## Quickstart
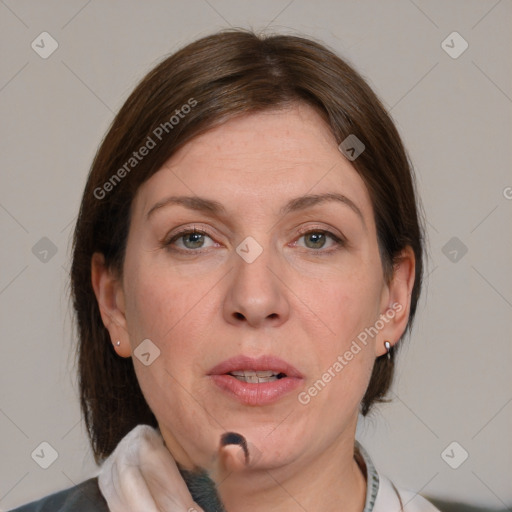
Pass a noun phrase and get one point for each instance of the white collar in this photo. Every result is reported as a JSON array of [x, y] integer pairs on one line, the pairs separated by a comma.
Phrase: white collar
[[382, 495]]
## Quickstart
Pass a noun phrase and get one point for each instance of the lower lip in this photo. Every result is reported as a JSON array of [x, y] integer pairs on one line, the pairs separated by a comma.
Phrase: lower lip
[[256, 394]]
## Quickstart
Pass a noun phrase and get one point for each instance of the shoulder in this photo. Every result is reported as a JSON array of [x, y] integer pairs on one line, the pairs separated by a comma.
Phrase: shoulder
[[400, 499], [84, 497]]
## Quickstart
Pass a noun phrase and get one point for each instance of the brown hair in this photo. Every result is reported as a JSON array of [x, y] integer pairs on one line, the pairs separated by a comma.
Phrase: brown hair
[[219, 77]]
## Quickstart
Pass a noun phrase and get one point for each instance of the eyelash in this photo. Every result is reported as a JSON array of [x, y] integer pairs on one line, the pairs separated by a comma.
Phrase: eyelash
[[339, 242]]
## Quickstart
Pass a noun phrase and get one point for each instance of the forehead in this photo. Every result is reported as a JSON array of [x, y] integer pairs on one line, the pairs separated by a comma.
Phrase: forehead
[[258, 159]]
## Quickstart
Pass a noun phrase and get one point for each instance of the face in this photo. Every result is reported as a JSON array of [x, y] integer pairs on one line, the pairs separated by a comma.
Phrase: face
[[250, 271]]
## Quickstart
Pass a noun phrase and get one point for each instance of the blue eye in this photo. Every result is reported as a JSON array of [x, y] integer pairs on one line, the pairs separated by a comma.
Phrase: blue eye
[[193, 239], [318, 239]]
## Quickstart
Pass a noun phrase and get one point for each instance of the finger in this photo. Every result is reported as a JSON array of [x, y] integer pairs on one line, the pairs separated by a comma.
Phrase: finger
[[232, 458], [232, 455]]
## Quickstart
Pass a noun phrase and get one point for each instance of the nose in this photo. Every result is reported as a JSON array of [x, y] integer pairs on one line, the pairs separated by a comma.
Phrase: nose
[[257, 294]]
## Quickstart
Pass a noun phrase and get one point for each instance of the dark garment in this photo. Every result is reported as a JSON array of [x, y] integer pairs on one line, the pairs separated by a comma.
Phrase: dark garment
[[203, 490], [84, 497]]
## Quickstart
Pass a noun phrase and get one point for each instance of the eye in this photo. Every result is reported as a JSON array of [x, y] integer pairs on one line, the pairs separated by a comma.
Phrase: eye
[[317, 239], [190, 239]]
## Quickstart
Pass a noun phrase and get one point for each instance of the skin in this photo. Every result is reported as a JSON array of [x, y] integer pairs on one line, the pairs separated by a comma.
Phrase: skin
[[303, 299]]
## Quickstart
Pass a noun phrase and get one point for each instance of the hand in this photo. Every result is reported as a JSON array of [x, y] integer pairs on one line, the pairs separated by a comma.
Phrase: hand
[[141, 476]]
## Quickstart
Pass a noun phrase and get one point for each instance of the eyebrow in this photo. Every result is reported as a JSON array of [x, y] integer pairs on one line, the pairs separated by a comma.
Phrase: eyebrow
[[215, 208]]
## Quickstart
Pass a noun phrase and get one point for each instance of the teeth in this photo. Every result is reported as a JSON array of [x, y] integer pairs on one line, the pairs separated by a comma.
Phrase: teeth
[[253, 377], [250, 373]]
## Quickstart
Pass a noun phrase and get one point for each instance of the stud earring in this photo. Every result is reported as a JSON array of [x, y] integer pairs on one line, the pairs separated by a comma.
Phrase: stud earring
[[118, 343], [387, 344]]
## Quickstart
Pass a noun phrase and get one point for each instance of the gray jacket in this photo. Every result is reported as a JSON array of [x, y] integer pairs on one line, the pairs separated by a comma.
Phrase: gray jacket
[[84, 497]]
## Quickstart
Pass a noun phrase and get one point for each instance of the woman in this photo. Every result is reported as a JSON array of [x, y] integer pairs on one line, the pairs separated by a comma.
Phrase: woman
[[247, 257]]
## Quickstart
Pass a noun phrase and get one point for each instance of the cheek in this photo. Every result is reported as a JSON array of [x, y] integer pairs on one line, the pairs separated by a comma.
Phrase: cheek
[[349, 304], [158, 302], [170, 310], [161, 308], [343, 370]]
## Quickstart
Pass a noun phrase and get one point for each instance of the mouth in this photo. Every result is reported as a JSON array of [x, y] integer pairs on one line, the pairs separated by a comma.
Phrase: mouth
[[255, 381], [263, 367]]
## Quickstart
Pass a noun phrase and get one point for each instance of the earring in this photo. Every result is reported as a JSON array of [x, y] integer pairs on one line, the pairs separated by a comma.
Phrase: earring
[[387, 344], [118, 343]]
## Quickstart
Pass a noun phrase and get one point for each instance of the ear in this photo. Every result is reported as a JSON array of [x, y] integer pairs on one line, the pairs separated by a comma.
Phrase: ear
[[396, 302], [110, 296]]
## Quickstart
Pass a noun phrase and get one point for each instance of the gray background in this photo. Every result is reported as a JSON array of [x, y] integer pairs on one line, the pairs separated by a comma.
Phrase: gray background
[[453, 382]]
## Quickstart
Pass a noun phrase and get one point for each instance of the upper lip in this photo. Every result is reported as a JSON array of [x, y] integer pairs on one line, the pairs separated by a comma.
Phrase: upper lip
[[266, 362]]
